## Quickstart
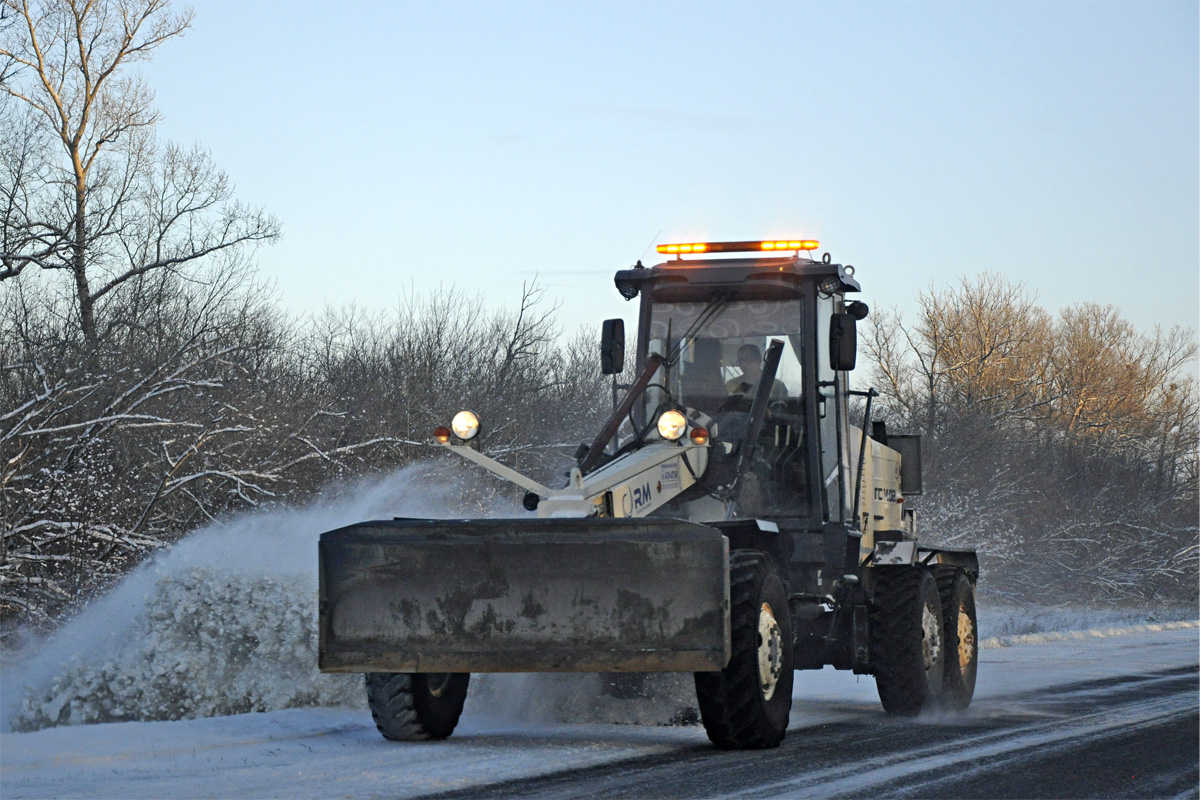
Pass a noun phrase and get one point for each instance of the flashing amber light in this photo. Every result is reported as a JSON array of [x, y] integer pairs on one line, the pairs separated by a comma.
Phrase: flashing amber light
[[441, 434], [770, 245], [791, 244], [694, 247], [699, 436]]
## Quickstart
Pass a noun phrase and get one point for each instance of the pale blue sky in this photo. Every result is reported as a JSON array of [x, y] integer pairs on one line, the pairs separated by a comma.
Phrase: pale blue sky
[[405, 145]]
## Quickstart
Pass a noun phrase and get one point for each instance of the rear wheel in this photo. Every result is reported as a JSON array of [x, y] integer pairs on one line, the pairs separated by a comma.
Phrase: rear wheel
[[961, 638], [746, 705], [907, 636], [413, 707]]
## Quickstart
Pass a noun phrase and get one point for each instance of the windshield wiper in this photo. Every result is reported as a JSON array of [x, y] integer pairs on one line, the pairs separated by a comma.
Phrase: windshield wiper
[[711, 310]]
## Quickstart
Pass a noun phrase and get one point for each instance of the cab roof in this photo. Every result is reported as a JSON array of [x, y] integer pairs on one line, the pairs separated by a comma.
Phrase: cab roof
[[759, 277]]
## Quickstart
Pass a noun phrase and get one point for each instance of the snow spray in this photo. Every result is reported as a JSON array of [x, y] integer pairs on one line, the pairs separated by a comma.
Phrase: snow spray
[[222, 622], [225, 622]]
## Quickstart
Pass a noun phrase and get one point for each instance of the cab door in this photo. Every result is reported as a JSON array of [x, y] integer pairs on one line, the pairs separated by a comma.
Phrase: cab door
[[832, 425]]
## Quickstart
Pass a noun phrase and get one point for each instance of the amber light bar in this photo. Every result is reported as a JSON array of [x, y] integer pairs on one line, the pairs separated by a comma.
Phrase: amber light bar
[[739, 247]]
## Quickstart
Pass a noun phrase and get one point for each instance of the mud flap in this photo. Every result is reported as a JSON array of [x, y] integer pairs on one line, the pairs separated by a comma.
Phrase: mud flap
[[529, 595]]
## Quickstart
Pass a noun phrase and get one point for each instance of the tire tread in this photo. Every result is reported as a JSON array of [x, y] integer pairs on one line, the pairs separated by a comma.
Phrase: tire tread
[[729, 700], [398, 713], [896, 641], [957, 688]]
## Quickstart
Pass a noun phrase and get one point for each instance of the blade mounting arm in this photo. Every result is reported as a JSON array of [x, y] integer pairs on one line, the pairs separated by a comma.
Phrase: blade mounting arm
[[596, 451]]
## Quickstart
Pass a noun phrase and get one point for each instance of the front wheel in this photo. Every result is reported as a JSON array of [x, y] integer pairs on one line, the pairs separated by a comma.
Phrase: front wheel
[[414, 707], [747, 704]]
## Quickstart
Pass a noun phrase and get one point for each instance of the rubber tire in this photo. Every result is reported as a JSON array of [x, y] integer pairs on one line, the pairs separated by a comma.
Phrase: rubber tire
[[902, 596], [405, 709], [735, 714], [958, 600]]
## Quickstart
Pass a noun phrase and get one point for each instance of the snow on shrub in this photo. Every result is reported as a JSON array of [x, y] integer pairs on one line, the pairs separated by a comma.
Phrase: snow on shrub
[[207, 644], [224, 621]]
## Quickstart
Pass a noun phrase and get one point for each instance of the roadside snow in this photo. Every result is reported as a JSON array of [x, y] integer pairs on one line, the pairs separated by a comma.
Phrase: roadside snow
[[1002, 620], [208, 643], [301, 753], [1094, 633]]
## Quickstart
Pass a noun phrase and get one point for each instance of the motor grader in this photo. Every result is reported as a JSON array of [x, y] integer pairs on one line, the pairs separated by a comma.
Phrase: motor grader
[[727, 521]]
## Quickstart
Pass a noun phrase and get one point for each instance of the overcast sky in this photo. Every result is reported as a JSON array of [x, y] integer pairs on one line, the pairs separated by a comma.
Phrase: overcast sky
[[407, 145]]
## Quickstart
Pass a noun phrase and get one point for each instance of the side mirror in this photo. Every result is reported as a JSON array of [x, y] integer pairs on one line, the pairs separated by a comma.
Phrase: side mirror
[[843, 342], [857, 309], [612, 347]]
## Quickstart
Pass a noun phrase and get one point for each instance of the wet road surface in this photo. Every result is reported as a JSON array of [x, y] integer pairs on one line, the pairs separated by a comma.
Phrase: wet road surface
[[1126, 736]]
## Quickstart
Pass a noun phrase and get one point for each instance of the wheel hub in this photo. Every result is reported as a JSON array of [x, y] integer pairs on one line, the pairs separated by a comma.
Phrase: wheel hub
[[770, 651], [931, 637], [966, 638]]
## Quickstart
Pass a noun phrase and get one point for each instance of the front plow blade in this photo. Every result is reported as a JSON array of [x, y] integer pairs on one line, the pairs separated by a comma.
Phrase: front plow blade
[[536, 595]]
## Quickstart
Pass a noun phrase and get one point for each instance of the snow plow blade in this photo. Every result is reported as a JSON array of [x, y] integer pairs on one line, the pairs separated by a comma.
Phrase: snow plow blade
[[537, 595]]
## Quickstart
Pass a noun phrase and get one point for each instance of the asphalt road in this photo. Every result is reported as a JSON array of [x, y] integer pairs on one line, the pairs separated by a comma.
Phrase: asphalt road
[[1129, 736], [1089, 714]]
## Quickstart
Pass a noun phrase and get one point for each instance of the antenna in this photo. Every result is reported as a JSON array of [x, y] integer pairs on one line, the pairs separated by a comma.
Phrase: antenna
[[647, 250]]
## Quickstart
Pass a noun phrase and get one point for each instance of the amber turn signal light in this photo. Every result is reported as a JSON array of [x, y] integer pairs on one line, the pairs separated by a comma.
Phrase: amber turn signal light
[[699, 435], [441, 434]]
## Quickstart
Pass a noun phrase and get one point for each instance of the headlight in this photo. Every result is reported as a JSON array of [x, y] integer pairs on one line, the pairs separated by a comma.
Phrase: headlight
[[671, 425], [465, 425]]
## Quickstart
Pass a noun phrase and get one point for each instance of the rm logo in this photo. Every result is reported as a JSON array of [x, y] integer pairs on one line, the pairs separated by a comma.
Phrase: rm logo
[[641, 496]]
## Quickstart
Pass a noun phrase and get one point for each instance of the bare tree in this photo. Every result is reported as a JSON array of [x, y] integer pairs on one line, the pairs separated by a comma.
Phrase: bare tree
[[980, 347], [114, 204], [1124, 393]]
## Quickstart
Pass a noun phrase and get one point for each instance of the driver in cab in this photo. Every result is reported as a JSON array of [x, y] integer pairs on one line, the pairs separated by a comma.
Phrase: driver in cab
[[749, 360]]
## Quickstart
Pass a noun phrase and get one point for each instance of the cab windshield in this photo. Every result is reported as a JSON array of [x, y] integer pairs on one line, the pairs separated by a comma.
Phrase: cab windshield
[[714, 352], [714, 356]]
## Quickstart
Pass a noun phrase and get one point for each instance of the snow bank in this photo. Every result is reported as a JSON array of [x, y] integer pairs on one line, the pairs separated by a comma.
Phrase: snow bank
[[1092, 633], [208, 643], [1005, 620]]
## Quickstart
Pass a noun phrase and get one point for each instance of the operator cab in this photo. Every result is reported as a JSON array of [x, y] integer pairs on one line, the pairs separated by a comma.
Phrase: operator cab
[[721, 327]]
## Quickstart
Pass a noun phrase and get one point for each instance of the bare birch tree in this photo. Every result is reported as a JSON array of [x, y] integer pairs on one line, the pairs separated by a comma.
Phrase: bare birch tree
[[113, 204]]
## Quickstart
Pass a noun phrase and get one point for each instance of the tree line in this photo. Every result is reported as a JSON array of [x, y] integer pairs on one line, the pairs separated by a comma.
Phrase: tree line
[[217, 402], [1064, 447]]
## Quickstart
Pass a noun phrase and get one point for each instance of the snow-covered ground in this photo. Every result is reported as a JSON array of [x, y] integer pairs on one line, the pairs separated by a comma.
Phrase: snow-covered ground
[[328, 752]]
